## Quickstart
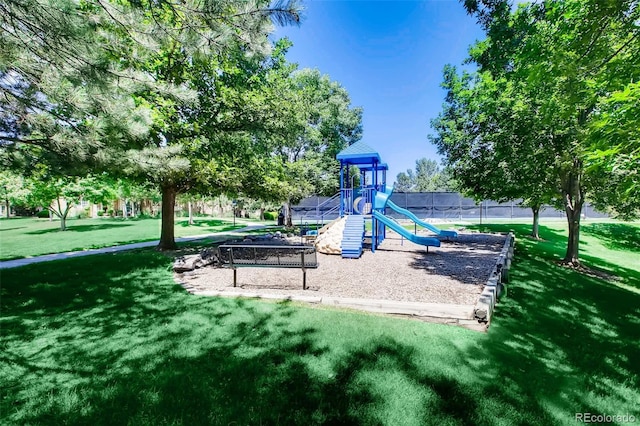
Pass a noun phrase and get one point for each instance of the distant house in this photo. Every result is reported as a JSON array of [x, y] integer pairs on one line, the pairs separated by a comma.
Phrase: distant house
[[3, 210]]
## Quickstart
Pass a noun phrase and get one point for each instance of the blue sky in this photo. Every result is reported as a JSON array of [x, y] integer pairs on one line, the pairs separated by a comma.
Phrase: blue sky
[[389, 55]]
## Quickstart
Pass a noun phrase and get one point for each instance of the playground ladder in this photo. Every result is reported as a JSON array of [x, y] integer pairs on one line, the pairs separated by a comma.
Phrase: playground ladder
[[352, 236]]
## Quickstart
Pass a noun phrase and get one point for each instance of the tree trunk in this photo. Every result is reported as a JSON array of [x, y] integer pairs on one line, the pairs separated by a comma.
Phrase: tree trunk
[[536, 222], [288, 221], [573, 194], [261, 213], [190, 207], [124, 209], [62, 215], [167, 233], [7, 205], [572, 256], [63, 218]]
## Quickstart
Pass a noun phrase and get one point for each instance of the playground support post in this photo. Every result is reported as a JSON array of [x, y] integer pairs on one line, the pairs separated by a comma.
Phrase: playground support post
[[342, 186], [374, 234]]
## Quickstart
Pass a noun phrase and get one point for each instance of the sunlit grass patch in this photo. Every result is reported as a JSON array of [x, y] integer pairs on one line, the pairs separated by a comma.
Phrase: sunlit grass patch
[[27, 237]]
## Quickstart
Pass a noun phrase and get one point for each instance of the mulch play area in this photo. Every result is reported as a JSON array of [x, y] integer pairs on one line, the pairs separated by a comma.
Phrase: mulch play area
[[441, 284]]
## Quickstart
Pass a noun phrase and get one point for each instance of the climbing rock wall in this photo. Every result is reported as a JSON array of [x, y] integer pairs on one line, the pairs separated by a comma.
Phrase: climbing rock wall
[[329, 241]]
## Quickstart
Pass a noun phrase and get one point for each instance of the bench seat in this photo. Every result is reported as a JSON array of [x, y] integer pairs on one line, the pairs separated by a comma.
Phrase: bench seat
[[268, 256]]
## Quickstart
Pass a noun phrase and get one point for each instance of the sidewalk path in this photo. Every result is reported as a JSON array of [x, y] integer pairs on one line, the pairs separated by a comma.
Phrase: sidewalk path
[[58, 256]]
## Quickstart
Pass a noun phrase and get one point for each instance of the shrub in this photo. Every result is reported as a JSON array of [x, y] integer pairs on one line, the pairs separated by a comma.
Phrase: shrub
[[270, 215], [83, 214], [43, 214], [24, 210]]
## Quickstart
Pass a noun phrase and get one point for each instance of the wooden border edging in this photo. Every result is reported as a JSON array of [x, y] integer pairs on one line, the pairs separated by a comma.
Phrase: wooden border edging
[[431, 312], [475, 317], [495, 286]]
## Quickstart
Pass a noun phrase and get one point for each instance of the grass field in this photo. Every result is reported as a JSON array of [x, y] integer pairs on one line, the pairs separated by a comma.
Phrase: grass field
[[111, 339], [23, 237]]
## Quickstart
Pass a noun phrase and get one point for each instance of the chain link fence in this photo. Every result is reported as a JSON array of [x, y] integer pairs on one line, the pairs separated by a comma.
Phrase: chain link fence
[[448, 206]]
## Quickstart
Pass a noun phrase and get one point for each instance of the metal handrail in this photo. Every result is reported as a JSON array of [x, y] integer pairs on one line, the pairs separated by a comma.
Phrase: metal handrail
[[318, 213], [336, 195], [335, 209]]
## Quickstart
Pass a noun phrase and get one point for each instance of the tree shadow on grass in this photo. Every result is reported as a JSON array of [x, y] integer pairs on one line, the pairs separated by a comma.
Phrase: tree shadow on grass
[[12, 229], [81, 228], [119, 347], [554, 248], [615, 236], [569, 341], [223, 225], [112, 340], [256, 369], [621, 276]]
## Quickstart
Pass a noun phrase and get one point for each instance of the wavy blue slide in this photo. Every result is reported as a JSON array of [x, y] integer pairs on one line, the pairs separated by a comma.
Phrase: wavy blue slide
[[390, 223], [413, 217]]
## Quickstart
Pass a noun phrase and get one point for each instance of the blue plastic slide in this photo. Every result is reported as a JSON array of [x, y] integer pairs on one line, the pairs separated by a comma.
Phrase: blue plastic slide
[[413, 217], [392, 224]]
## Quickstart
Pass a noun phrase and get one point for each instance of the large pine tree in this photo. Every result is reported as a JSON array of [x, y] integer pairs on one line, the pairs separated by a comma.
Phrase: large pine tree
[[113, 85]]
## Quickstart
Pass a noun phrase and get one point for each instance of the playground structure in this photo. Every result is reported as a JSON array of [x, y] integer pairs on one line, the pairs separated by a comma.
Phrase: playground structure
[[368, 202], [394, 284]]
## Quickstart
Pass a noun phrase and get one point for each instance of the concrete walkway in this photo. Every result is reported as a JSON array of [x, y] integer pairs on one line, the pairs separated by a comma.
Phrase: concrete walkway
[[68, 255]]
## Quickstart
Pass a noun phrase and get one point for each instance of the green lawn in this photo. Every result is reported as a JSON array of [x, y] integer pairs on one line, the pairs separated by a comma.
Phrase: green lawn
[[111, 339], [25, 237]]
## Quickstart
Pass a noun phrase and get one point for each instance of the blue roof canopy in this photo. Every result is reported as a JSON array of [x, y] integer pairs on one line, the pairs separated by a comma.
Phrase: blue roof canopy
[[379, 166], [359, 153]]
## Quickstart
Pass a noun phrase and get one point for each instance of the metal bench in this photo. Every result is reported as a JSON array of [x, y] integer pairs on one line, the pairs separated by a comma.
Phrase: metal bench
[[268, 256]]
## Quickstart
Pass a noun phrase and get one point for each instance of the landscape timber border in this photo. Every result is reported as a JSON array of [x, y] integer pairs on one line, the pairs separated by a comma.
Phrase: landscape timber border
[[496, 284], [476, 315]]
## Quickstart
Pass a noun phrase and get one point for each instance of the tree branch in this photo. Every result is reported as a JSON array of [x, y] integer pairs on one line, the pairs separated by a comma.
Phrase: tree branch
[[616, 53], [21, 140]]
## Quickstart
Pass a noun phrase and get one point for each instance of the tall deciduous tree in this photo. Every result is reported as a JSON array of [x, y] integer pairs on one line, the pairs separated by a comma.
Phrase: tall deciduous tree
[[427, 177], [59, 194], [405, 182], [487, 132], [319, 123], [13, 190], [614, 152], [563, 61]]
